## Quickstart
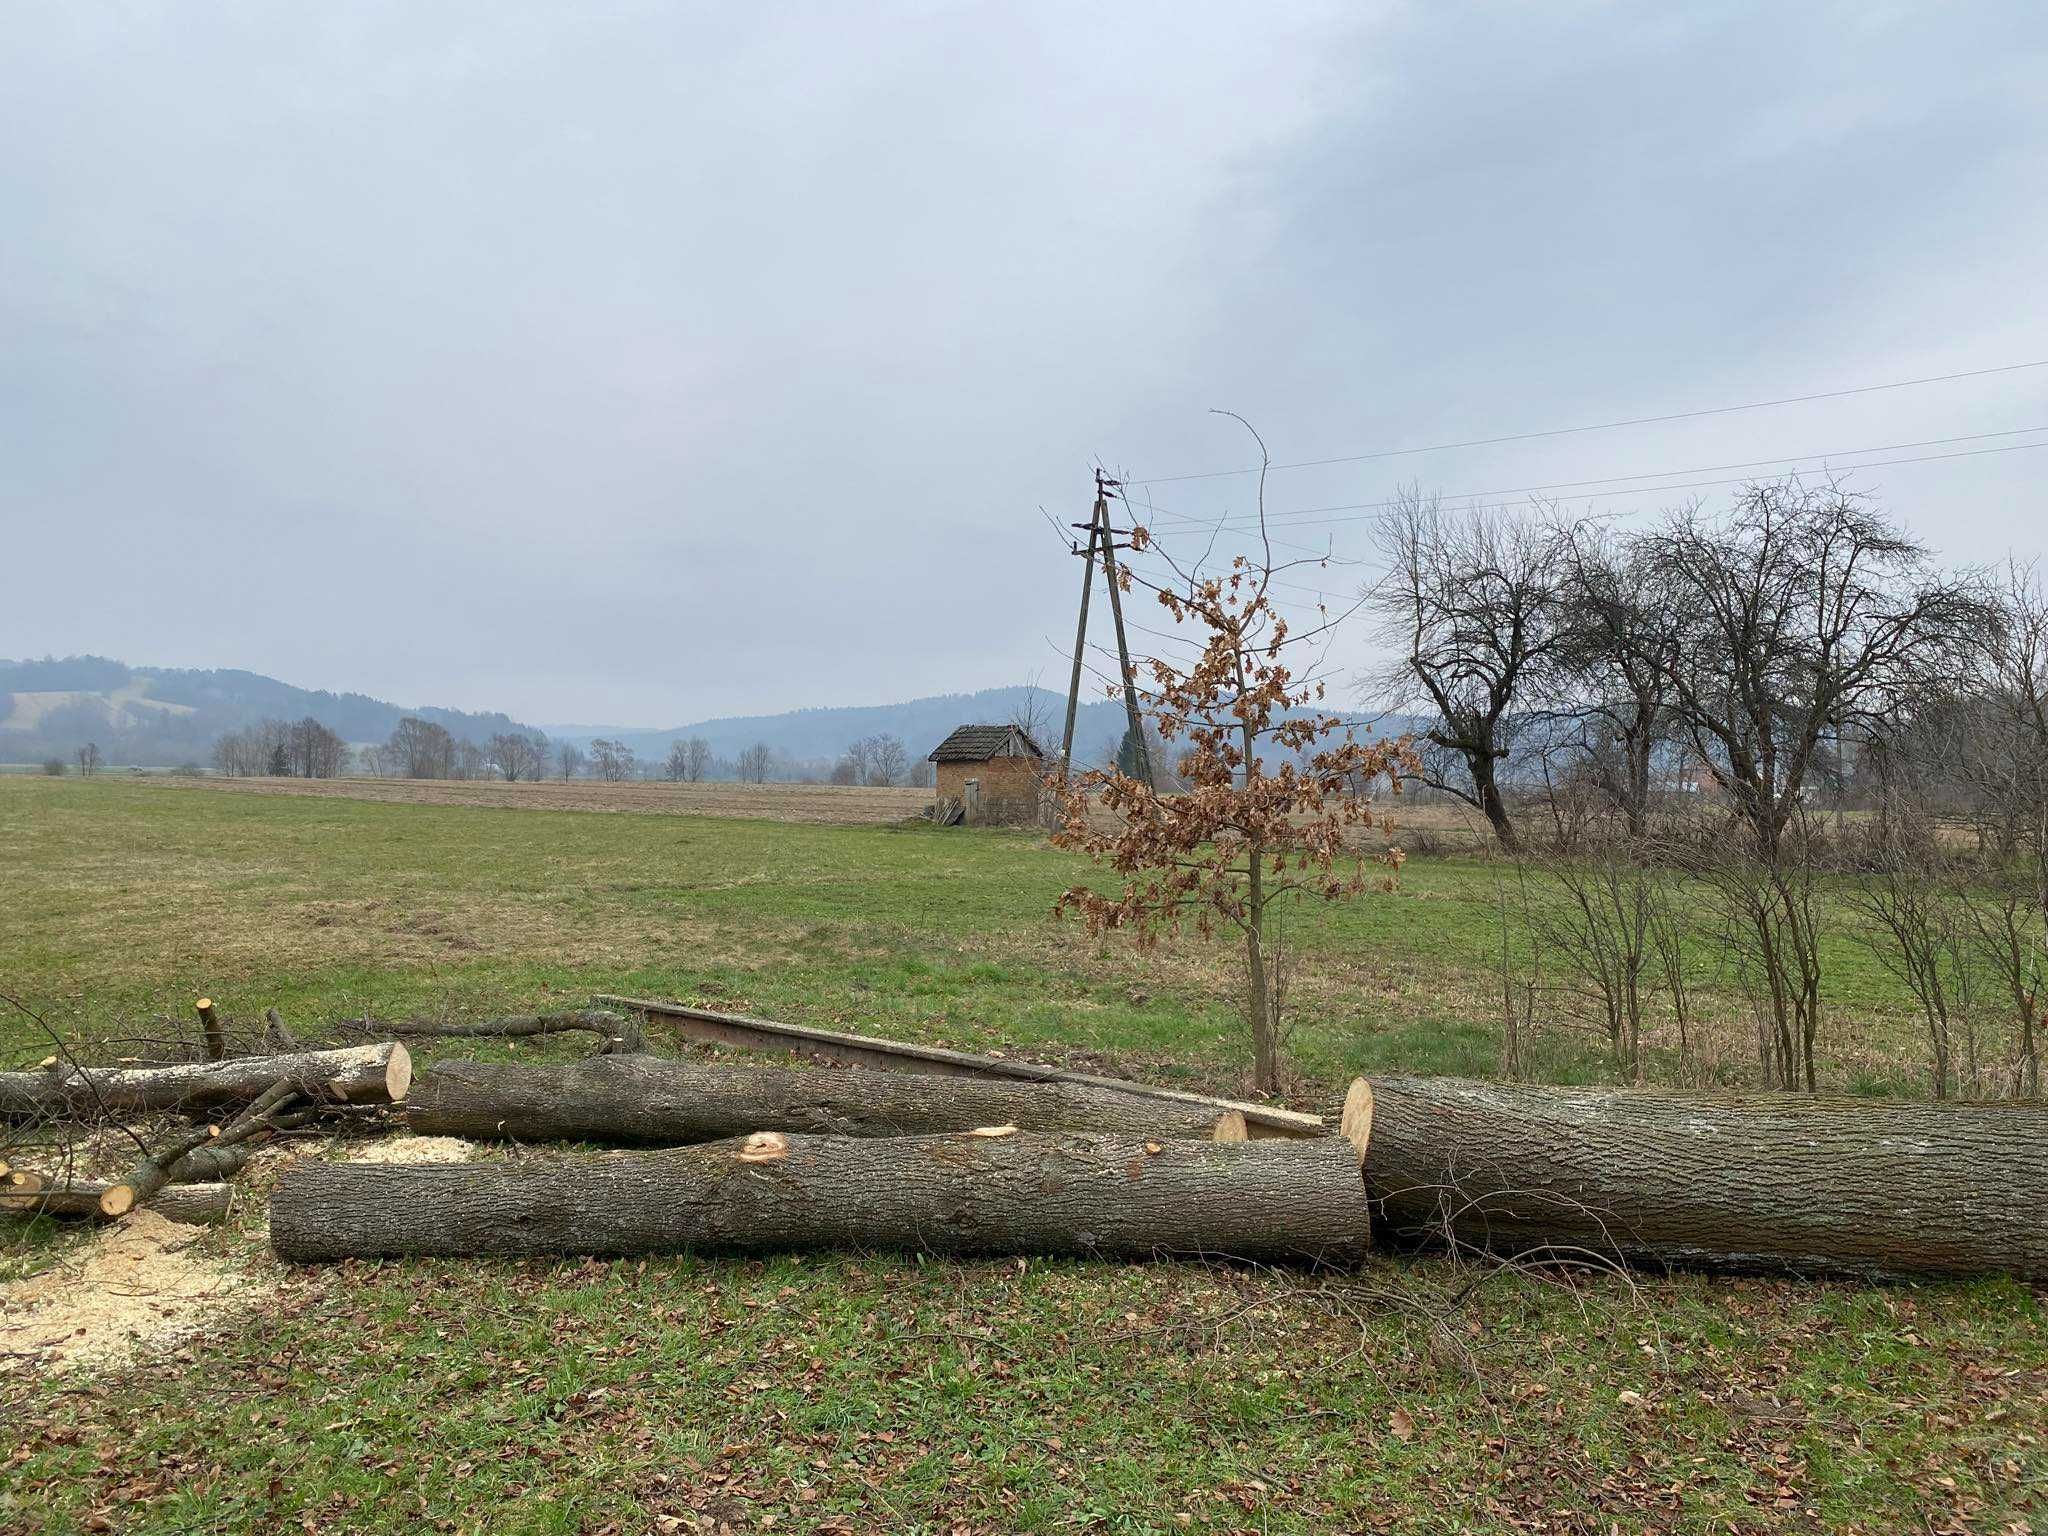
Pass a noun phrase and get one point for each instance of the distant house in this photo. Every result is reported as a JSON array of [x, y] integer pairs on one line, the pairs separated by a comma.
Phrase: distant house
[[993, 773]]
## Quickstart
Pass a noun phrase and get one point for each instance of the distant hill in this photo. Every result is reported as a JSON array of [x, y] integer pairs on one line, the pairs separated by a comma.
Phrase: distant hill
[[162, 716], [820, 735], [817, 736], [166, 715]]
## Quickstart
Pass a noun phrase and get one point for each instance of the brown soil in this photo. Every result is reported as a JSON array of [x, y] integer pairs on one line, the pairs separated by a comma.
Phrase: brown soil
[[822, 803]]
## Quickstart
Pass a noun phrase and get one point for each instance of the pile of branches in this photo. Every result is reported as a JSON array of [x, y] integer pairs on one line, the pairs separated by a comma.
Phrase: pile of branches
[[195, 1104], [193, 1117]]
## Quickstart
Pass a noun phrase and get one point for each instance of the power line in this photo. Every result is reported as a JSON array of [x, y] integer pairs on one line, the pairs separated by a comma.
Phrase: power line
[[1600, 426], [1303, 517]]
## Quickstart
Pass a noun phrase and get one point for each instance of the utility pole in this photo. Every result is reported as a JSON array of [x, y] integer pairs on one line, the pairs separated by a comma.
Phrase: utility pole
[[1099, 530], [1080, 645], [1116, 608]]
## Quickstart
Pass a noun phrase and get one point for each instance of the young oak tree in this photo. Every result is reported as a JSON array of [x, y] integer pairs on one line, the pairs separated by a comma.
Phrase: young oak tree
[[1269, 802]]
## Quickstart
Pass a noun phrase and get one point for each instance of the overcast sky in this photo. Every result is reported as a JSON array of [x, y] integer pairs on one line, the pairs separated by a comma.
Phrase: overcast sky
[[638, 363]]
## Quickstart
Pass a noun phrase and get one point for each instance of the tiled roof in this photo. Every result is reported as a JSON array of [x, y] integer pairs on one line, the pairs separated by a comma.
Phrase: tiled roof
[[979, 743]]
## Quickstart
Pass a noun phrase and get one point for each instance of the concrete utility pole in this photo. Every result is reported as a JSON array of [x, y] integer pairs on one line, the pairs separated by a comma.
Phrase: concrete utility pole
[[1099, 530], [1080, 645]]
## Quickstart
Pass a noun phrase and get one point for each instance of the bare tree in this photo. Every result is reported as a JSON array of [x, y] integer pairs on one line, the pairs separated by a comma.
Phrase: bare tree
[[311, 750], [676, 766], [888, 762], [1472, 600], [1604, 929], [696, 759], [569, 760], [1613, 664], [755, 763], [1801, 617], [854, 763], [89, 759], [518, 755], [423, 750], [612, 761]]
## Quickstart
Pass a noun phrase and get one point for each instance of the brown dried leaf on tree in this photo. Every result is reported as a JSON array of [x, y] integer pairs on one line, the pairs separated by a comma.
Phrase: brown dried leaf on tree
[[1239, 832]]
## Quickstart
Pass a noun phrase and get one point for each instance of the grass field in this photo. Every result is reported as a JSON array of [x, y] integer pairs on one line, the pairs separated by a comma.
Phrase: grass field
[[863, 1393]]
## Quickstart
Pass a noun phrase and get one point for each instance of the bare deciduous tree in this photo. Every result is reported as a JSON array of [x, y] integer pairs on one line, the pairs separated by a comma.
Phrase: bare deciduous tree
[[612, 761], [755, 763], [1801, 617], [423, 749], [1471, 600], [518, 755]]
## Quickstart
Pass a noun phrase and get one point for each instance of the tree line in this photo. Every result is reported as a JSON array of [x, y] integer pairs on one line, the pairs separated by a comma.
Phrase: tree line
[[1758, 724]]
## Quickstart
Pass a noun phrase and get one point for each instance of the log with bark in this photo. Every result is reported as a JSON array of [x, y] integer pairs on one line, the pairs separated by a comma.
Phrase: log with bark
[[752, 1034], [997, 1192], [357, 1074], [195, 1204], [1778, 1182], [653, 1101]]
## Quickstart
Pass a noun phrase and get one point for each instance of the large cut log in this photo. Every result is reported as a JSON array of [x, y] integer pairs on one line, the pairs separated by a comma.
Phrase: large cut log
[[195, 1204], [653, 1101], [1779, 1182], [734, 1029], [357, 1074], [999, 1192]]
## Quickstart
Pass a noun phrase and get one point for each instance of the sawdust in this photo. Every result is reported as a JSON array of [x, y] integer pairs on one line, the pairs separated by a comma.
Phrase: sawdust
[[417, 1149], [138, 1284]]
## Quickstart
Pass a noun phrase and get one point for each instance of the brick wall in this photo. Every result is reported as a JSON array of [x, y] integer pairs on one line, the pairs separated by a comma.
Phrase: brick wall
[[1009, 786]]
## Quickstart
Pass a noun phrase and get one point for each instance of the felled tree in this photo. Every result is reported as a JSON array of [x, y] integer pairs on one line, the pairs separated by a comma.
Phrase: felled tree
[[1243, 832]]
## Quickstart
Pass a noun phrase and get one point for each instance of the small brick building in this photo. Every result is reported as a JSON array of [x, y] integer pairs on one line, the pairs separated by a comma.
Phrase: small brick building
[[994, 773]]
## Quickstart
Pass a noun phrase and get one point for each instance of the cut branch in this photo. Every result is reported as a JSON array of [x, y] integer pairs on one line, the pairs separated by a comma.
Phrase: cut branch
[[194, 1204]]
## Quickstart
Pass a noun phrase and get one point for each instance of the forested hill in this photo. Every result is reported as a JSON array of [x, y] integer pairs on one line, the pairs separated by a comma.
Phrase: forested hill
[[819, 735], [170, 715]]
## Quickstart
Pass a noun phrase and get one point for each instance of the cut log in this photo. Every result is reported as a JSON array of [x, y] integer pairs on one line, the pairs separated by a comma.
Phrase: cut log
[[195, 1204], [1772, 1182], [357, 1074], [617, 1033], [733, 1029], [1022, 1193], [654, 1101]]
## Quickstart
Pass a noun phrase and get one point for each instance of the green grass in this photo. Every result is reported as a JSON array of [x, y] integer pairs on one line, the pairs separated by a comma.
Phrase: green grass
[[856, 1393]]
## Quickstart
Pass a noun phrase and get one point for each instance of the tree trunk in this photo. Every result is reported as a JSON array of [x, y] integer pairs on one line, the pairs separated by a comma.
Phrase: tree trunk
[[1487, 784], [1756, 1182], [652, 1101], [194, 1204], [359, 1074], [1014, 1192]]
